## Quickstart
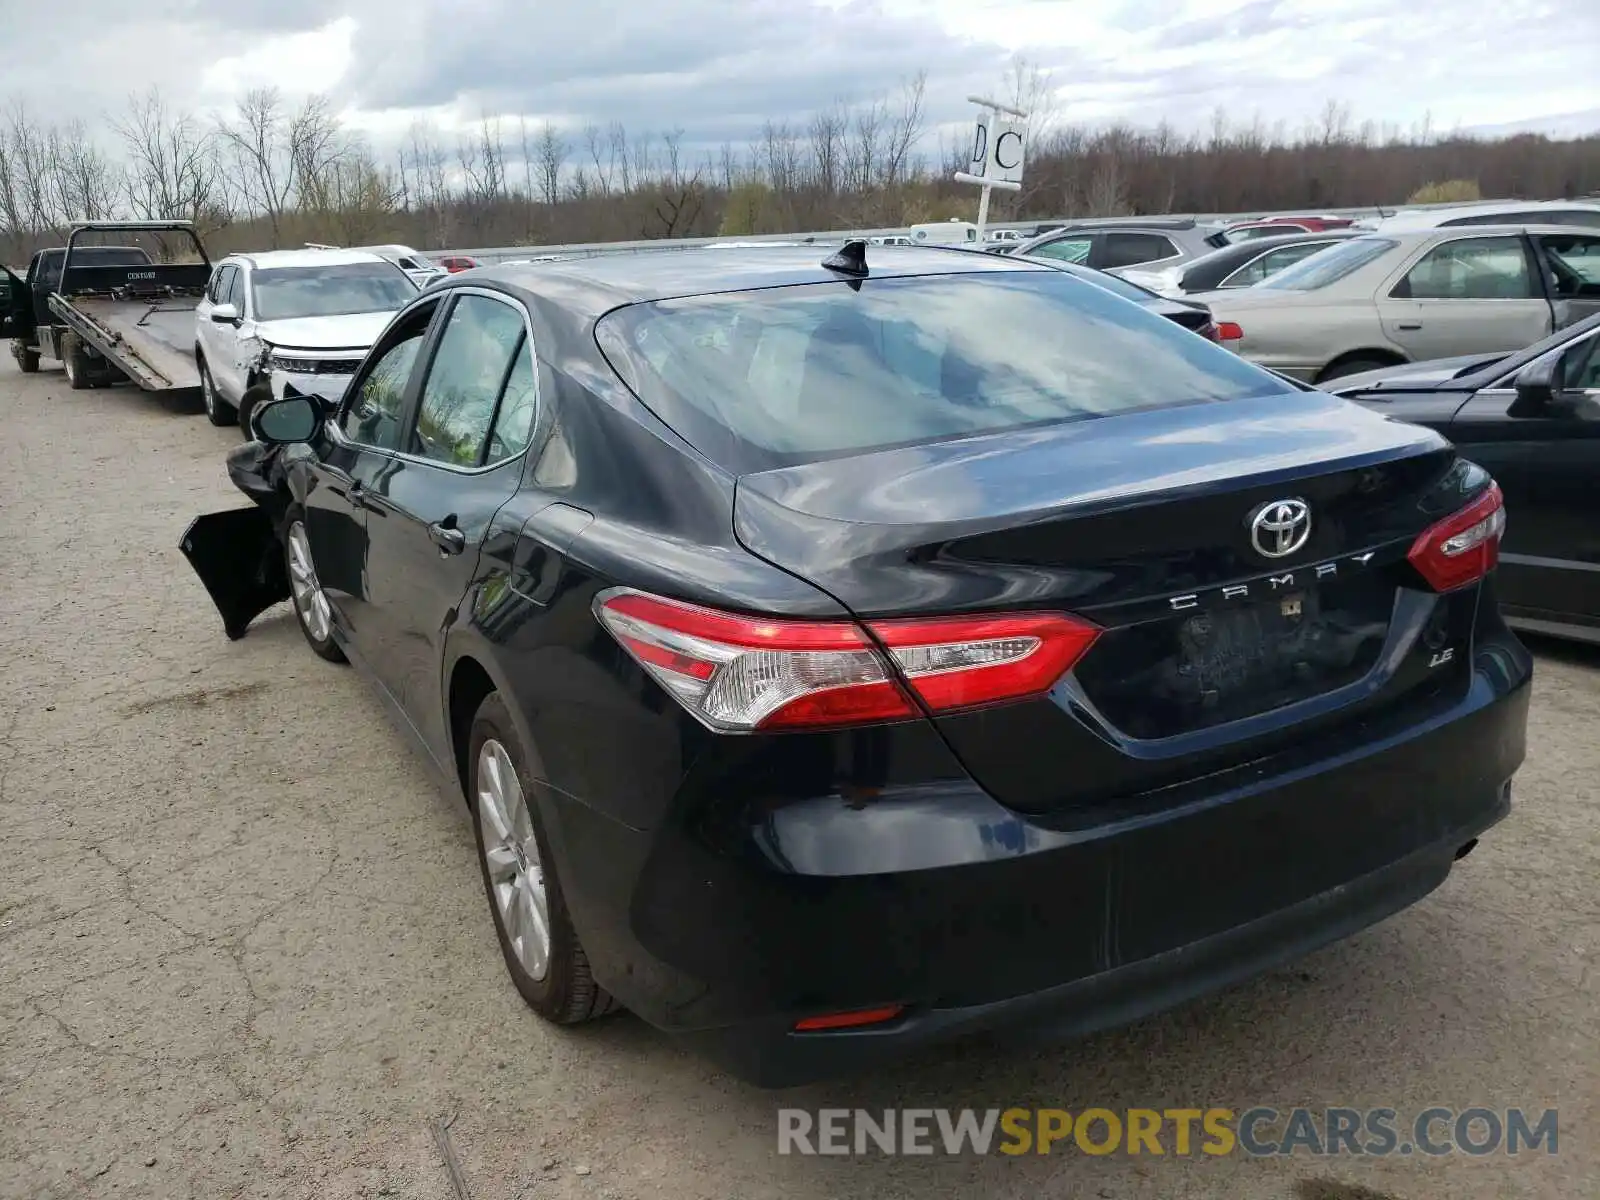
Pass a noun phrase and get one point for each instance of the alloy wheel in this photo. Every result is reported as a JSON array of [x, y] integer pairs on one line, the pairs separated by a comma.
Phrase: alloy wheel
[[310, 601], [511, 858]]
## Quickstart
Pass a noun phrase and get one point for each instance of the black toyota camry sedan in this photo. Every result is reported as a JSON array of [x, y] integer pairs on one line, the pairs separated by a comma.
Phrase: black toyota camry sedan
[[843, 651]]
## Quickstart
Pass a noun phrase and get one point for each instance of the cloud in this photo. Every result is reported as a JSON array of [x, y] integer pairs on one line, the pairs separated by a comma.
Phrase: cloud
[[718, 69]]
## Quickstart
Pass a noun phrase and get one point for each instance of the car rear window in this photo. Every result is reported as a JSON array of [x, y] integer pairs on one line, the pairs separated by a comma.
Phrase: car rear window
[[780, 376], [1330, 265]]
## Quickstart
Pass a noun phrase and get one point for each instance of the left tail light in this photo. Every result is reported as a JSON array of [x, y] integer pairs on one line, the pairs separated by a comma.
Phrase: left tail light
[[737, 673], [1463, 547], [1229, 331]]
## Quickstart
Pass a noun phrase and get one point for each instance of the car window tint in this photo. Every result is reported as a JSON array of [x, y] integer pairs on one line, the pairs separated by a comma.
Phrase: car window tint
[[513, 421], [1131, 249], [220, 283], [235, 293], [373, 416], [1488, 268], [786, 375], [464, 381], [1073, 250]]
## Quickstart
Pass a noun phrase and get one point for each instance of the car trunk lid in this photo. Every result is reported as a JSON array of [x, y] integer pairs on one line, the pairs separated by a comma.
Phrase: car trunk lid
[[1141, 523]]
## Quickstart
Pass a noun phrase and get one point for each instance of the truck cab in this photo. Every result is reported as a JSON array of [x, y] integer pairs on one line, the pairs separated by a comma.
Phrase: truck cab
[[35, 332]]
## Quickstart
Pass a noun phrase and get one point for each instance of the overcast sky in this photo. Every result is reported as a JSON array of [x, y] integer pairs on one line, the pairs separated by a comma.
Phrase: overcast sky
[[718, 68]]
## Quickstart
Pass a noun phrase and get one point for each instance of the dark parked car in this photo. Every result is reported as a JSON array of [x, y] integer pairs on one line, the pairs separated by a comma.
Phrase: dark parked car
[[1196, 317], [1244, 264], [1533, 419], [842, 655]]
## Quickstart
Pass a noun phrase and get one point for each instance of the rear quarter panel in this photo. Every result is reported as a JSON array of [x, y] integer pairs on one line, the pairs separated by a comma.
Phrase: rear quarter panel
[[1300, 338]]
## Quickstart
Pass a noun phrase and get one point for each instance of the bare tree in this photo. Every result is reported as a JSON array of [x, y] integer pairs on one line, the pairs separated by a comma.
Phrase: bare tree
[[84, 183], [827, 133], [906, 128], [594, 142], [865, 151], [781, 149], [174, 167], [552, 156], [263, 167], [642, 155], [317, 147], [27, 169], [483, 163], [620, 165]]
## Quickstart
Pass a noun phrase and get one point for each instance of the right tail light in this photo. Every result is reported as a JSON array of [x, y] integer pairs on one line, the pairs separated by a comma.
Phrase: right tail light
[[1463, 547]]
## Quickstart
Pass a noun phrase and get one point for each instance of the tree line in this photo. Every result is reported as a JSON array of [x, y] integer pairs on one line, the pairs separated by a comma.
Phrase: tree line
[[270, 173]]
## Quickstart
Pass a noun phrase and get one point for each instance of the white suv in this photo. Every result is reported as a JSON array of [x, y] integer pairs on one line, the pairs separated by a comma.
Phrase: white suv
[[301, 316]]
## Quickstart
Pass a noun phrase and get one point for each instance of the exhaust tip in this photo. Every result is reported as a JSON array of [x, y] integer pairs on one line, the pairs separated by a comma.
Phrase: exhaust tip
[[1466, 849]]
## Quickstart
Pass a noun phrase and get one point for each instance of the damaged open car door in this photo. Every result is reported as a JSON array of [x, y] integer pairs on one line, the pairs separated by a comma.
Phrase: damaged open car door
[[239, 559], [16, 307]]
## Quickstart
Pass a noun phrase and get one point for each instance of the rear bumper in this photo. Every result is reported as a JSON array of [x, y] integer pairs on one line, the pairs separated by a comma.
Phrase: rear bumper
[[973, 916], [769, 1054]]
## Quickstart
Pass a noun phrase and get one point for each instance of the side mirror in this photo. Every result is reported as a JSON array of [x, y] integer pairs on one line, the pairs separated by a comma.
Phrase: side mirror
[[225, 314], [1536, 387], [287, 420]]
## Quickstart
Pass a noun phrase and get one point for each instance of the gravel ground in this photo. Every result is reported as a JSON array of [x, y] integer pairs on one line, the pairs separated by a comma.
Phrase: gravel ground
[[244, 950]]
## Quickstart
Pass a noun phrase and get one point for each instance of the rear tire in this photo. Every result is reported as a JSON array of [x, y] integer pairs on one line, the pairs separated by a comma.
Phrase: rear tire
[[313, 611], [542, 952], [218, 411], [27, 359], [1352, 366], [75, 359]]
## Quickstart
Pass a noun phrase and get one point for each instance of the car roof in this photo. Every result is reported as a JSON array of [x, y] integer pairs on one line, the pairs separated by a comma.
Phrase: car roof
[[272, 259], [1297, 238], [1448, 232], [594, 286], [1433, 217]]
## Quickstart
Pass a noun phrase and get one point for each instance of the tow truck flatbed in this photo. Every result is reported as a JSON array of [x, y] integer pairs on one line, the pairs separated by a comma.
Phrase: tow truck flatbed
[[113, 316]]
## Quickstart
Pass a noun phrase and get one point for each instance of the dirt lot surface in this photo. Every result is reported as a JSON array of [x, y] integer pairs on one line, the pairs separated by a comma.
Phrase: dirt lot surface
[[244, 950]]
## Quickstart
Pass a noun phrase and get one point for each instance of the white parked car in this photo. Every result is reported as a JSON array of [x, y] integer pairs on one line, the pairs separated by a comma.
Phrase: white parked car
[[1510, 212], [306, 317], [421, 270]]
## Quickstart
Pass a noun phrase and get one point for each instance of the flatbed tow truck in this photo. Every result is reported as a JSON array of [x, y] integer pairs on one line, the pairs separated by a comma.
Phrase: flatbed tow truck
[[110, 313]]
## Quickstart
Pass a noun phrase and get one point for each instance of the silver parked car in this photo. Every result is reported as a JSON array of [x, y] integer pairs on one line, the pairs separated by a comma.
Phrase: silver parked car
[[1404, 296], [1148, 243]]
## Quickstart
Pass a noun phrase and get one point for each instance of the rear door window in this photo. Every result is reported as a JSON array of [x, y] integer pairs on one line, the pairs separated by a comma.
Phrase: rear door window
[[786, 375], [1131, 249], [1067, 249], [1478, 268]]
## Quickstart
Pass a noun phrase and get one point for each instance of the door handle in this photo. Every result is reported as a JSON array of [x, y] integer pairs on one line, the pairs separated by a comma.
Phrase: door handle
[[446, 536], [355, 494], [1409, 325]]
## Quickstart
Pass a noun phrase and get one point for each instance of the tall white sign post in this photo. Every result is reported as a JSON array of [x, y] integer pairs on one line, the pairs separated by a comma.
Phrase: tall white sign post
[[997, 153]]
